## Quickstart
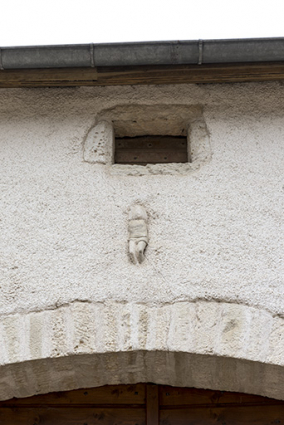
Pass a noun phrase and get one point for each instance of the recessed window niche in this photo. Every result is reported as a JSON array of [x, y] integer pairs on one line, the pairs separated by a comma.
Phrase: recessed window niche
[[143, 150], [144, 139]]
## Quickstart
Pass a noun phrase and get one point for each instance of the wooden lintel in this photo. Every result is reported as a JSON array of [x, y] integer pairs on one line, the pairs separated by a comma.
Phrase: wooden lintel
[[178, 74]]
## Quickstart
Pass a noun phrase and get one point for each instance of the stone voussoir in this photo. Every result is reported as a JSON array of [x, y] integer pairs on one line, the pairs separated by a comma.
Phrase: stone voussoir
[[53, 350]]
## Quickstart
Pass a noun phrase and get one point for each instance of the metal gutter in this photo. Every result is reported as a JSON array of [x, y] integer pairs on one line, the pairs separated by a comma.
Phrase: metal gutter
[[146, 53]]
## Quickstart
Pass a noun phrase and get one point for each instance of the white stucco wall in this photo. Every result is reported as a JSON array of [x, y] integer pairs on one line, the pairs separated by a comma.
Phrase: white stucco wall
[[215, 236]]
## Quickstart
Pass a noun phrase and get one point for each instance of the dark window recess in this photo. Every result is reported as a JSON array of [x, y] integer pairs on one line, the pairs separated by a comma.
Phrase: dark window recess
[[142, 150]]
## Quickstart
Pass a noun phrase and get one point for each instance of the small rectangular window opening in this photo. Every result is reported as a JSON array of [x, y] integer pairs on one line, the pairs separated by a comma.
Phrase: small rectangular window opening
[[143, 150]]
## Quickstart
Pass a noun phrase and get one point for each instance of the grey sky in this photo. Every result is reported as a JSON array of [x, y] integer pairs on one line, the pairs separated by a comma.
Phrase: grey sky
[[30, 22]]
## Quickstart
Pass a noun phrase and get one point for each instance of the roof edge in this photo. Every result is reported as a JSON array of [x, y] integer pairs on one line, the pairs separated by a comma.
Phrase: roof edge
[[157, 53]]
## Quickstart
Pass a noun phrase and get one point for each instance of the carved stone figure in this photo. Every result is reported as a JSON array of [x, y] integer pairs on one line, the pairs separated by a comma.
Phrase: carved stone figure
[[138, 233]]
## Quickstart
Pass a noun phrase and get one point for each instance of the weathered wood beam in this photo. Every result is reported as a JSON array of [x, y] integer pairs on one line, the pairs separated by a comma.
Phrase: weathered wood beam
[[177, 74]]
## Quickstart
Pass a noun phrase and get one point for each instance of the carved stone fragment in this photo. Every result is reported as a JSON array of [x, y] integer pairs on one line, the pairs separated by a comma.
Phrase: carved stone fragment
[[98, 146], [138, 233]]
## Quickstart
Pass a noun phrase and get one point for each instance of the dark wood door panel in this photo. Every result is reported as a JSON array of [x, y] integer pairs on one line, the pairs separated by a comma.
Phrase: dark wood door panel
[[142, 404], [109, 394], [242, 415], [71, 416], [175, 396]]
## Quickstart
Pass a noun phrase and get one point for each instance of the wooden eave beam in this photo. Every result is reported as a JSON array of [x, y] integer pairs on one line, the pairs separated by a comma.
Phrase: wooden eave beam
[[170, 74]]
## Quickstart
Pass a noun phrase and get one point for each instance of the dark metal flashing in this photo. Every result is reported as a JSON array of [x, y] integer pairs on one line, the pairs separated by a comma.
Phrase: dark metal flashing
[[140, 54], [30, 66]]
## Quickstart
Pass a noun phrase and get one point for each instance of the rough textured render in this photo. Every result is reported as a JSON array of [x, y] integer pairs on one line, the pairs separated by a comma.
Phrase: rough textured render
[[206, 307]]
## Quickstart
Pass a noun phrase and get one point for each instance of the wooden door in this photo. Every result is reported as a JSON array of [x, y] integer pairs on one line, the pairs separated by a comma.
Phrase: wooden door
[[142, 404]]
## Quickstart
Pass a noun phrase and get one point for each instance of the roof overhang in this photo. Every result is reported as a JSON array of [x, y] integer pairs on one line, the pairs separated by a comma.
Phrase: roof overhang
[[169, 62]]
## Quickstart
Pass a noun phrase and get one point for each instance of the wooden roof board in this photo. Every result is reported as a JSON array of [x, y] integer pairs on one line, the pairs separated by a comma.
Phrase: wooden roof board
[[169, 74]]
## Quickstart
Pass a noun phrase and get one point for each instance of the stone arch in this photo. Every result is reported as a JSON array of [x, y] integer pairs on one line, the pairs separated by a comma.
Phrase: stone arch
[[200, 344]]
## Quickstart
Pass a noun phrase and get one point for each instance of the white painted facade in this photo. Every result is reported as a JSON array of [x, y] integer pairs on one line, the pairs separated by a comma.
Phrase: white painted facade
[[206, 307]]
